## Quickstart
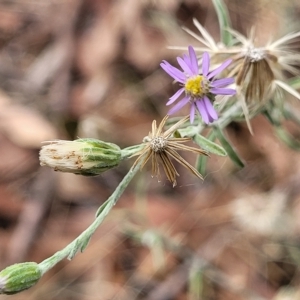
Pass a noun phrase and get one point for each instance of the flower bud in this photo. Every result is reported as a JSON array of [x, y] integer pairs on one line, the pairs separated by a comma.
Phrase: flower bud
[[19, 277], [83, 156]]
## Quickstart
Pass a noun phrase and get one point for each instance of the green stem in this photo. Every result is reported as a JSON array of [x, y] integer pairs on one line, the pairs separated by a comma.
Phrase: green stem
[[231, 114], [129, 151], [81, 241]]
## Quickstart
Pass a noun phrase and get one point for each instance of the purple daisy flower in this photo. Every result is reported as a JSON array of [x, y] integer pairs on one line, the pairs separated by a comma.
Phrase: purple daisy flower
[[200, 89]]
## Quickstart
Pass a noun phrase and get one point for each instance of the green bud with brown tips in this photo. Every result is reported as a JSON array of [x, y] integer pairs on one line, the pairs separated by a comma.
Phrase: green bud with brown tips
[[83, 156]]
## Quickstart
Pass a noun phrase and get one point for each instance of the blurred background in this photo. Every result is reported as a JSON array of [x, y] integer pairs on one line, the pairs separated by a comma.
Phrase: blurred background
[[90, 68]]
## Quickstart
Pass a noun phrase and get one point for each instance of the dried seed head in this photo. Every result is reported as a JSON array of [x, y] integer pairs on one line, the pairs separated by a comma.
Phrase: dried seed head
[[161, 147], [255, 54], [255, 79], [158, 144]]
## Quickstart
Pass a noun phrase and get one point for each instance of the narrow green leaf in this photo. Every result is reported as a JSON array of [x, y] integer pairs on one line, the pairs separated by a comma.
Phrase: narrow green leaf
[[201, 164], [85, 243], [224, 21], [229, 149], [74, 250], [287, 138], [100, 209], [208, 145]]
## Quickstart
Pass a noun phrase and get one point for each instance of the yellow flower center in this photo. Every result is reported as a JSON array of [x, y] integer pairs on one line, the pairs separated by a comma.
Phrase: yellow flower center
[[196, 86]]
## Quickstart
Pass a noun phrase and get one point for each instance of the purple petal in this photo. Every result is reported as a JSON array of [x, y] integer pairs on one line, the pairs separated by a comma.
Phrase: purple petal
[[179, 105], [175, 96], [221, 91], [173, 72], [205, 63], [187, 60], [219, 69], [202, 110], [210, 109], [194, 61], [185, 67], [192, 113], [222, 82]]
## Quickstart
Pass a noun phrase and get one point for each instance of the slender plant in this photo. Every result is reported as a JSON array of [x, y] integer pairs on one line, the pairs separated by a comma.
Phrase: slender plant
[[243, 81]]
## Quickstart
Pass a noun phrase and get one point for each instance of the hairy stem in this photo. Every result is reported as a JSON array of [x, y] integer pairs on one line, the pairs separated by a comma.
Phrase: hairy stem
[[81, 241]]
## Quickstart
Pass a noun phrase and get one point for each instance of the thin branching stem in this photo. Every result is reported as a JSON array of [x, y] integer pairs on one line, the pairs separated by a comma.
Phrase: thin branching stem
[[80, 242]]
